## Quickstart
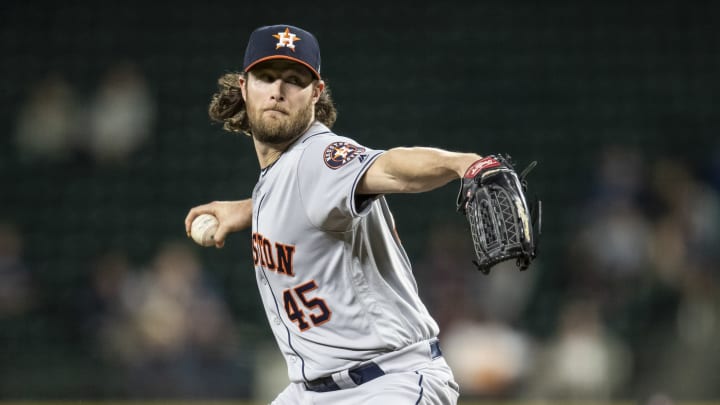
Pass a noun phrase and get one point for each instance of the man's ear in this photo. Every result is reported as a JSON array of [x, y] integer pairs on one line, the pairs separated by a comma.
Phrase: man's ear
[[242, 82], [317, 90]]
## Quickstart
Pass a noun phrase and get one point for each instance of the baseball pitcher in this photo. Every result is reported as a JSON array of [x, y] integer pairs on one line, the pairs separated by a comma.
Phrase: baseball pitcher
[[336, 284]]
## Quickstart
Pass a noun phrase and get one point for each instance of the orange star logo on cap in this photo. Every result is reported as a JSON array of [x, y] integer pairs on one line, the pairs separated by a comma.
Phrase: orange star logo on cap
[[286, 39]]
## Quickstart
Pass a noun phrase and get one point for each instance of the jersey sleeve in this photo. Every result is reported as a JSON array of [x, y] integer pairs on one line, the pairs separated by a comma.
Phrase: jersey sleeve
[[328, 174]]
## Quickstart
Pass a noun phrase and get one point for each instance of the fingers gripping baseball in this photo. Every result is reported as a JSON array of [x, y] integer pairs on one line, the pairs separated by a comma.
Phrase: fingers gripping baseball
[[232, 216], [220, 235]]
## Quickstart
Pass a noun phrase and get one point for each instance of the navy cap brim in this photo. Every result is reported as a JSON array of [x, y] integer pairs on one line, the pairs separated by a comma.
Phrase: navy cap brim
[[290, 58]]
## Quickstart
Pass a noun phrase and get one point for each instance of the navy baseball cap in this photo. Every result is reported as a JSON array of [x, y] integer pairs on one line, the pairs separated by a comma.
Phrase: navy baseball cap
[[283, 42]]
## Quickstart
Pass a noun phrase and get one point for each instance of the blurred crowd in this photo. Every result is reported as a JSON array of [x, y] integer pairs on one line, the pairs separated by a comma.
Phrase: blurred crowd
[[56, 123], [166, 327], [631, 310], [163, 328]]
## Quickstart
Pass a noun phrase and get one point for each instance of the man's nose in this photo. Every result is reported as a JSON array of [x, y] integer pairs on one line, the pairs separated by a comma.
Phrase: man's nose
[[277, 90]]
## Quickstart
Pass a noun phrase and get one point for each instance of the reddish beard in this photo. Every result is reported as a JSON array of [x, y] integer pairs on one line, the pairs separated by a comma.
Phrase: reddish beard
[[278, 130]]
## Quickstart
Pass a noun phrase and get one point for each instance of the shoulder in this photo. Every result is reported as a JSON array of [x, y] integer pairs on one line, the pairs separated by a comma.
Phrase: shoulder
[[321, 147], [335, 151], [319, 136]]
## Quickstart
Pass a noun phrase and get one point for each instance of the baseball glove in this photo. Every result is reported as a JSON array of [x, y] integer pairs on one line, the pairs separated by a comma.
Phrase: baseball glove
[[503, 225]]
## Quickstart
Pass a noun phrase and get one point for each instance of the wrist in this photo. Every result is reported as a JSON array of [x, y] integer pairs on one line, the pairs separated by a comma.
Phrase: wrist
[[467, 161], [480, 165]]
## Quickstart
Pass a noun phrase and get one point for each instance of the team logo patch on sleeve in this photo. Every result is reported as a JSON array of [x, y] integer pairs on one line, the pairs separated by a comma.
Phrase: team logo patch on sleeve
[[338, 154]]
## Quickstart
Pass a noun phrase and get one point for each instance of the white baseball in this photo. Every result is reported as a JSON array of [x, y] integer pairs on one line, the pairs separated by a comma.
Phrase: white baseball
[[203, 229]]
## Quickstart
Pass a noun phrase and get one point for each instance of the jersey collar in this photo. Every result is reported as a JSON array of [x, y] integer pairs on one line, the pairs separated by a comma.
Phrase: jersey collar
[[316, 128]]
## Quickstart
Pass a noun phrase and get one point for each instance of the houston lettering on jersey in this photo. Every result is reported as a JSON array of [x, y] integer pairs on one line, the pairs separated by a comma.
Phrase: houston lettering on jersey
[[301, 305], [276, 256]]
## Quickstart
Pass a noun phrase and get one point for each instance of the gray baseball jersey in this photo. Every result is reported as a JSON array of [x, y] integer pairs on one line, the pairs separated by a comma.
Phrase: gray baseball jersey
[[335, 281]]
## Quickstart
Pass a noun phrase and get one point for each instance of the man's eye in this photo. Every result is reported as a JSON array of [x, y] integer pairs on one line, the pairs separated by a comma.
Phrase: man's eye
[[293, 80], [265, 77]]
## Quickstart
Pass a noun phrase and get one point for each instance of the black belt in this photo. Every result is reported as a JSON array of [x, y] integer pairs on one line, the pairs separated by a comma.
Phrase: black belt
[[362, 374]]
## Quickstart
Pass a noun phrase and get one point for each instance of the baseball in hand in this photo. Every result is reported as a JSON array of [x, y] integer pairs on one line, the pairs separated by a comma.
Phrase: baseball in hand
[[203, 229]]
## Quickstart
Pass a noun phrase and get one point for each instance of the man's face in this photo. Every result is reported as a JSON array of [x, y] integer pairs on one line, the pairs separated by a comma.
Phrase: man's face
[[280, 98]]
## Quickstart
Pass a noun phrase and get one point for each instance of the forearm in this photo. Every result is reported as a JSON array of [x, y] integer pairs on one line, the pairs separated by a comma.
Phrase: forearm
[[233, 216], [414, 170]]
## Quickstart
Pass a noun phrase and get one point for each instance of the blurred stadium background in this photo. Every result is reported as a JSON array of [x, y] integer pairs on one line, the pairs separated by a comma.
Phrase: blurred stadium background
[[107, 144]]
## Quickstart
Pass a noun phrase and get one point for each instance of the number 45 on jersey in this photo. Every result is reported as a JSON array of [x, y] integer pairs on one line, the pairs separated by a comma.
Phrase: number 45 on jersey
[[318, 311]]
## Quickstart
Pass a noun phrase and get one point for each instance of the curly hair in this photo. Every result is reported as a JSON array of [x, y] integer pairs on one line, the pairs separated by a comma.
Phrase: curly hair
[[227, 106]]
